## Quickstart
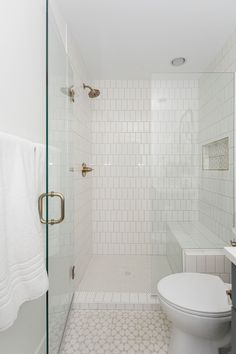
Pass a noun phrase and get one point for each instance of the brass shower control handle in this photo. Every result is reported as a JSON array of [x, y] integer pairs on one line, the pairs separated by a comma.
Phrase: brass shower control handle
[[85, 169]]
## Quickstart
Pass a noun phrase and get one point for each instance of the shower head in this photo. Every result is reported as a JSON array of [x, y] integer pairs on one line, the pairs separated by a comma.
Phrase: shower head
[[92, 92]]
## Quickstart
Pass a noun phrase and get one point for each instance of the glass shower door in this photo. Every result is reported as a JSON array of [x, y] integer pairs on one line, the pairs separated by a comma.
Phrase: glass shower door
[[60, 241]]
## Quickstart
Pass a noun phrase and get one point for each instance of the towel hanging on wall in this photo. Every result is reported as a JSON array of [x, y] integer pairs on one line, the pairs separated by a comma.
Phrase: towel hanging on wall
[[23, 275]]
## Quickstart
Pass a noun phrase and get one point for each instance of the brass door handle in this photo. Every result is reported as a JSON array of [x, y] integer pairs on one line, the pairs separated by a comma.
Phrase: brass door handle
[[40, 208], [85, 169]]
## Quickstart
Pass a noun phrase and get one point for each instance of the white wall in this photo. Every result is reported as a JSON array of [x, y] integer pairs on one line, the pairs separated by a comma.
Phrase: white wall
[[22, 68], [27, 335], [22, 112]]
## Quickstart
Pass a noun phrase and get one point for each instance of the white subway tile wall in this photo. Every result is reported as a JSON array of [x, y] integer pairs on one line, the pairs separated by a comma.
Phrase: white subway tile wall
[[122, 205], [191, 247], [146, 161], [221, 94], [207, 261], [216, 121], [174, 153], [122, 210]]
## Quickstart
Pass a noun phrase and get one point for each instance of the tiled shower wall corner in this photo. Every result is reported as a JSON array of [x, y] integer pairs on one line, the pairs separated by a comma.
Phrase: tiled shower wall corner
[[225, 62], [145, 156], [216, 121], [70, 130]]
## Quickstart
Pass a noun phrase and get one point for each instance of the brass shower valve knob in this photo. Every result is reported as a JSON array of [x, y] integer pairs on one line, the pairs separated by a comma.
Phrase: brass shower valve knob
[[85, 169]]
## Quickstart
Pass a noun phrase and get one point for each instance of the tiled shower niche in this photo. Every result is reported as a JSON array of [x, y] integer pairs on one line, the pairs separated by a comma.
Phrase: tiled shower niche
[[215, 155]]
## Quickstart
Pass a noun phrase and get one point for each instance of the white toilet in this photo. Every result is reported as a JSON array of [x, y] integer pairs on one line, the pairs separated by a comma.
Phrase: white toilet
[[200, 312]]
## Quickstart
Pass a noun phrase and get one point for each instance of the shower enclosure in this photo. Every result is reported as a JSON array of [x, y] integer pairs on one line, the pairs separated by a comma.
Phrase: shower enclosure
[[60, 236], [160, 198]]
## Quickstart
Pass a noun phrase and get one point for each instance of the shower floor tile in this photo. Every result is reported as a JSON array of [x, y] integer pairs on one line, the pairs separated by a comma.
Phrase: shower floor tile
[[115, 301], [113, 273], [116, 332]]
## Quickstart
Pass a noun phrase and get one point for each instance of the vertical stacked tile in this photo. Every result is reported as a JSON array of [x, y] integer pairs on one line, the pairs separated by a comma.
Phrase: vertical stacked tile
[[174, 151], [122, 208], [216, 121], [146, 163], [217, 206]]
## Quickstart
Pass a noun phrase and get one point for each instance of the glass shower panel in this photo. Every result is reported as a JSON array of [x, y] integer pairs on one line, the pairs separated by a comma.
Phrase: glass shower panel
[[60, 149], [192, 125]]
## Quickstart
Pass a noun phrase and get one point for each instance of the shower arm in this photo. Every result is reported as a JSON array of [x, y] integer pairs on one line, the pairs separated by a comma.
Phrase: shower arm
[[72, 91], [87, 86]]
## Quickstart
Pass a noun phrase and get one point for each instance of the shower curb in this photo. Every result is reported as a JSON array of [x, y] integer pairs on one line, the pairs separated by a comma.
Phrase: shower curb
[[115, 301]]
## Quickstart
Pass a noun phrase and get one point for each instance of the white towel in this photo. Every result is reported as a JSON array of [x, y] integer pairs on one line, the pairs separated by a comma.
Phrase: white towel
[[23, 275]]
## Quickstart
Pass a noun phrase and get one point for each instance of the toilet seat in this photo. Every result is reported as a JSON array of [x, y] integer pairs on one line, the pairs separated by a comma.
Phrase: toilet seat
[[195, 293], [199, 313]]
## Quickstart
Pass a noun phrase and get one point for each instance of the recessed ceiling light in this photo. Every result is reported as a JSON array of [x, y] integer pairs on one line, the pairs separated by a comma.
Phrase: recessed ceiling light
[[178, 61]]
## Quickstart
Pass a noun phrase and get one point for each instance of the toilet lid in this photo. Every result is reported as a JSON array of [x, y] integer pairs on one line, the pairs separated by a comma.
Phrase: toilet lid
[[195, 292]]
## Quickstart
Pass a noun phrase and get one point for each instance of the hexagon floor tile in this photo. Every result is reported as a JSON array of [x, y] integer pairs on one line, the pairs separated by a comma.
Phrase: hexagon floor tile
[[116, 332]]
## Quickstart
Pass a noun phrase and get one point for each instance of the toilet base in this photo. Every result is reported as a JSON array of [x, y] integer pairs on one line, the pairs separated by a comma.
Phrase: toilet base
[[183, 343]]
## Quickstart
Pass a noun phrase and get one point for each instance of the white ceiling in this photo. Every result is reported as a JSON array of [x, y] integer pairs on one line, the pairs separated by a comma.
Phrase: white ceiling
[[135, 38]]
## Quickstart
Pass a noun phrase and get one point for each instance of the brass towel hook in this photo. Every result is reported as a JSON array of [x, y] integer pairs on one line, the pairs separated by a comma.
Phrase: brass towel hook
[[85, 169]]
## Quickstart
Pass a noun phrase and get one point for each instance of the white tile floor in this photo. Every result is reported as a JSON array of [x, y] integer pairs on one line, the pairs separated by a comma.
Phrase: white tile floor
[[113, 310], [116, 332], [124, 273], [56, 326]]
